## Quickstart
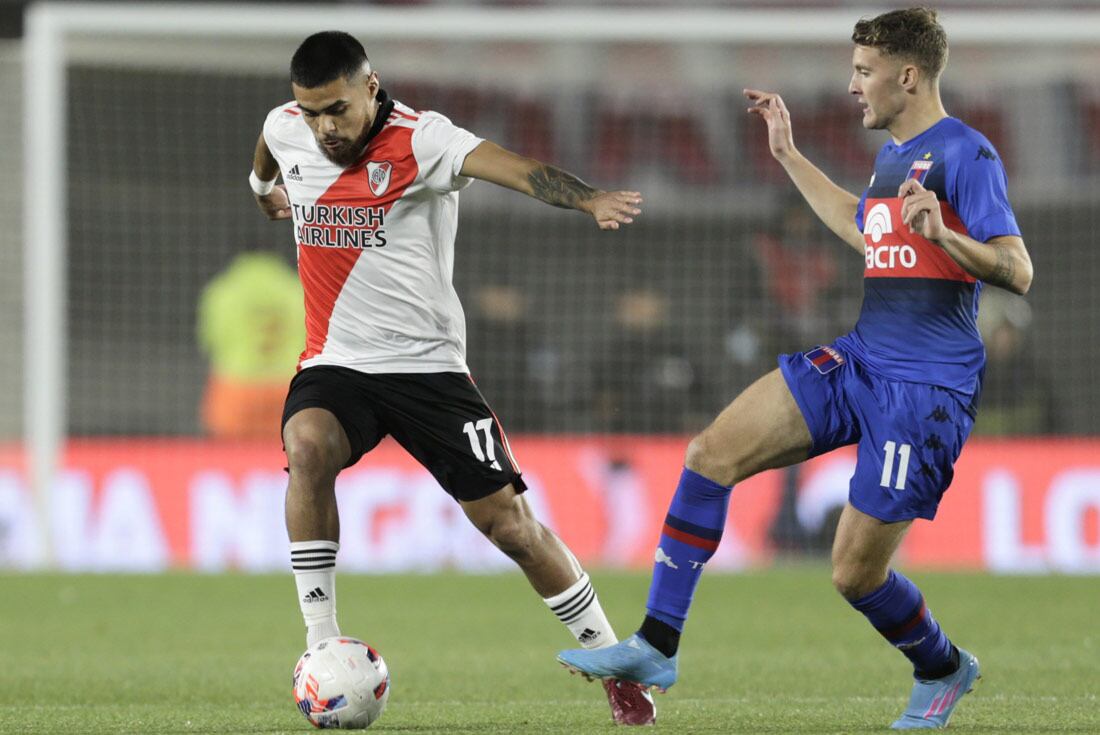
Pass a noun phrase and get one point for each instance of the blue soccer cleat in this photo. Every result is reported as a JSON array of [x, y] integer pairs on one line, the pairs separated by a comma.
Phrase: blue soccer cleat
[[932, 702], [630, 660]]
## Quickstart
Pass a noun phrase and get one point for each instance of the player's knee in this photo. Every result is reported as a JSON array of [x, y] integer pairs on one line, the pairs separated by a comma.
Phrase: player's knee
[[312, 454], [854, 581], [707, 458]]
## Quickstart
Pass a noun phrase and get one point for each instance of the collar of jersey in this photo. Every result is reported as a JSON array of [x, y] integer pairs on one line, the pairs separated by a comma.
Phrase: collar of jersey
[[385, 107], [903, 146]]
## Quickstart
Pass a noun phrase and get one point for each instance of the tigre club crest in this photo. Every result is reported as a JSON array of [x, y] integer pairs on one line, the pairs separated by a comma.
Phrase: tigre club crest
[[378, 176]]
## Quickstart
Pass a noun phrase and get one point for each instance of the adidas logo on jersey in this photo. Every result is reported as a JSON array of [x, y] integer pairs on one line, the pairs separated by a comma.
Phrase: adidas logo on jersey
[[294, 174]]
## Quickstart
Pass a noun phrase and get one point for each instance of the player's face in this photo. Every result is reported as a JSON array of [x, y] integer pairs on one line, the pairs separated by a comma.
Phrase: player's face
[[340, 114], [876, 82]]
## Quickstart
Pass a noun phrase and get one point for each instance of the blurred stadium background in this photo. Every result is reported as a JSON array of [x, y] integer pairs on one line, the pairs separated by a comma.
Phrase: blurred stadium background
[[601, 352]]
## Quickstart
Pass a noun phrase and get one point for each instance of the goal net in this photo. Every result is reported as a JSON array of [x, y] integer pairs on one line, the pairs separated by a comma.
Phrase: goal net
[[141, 121]]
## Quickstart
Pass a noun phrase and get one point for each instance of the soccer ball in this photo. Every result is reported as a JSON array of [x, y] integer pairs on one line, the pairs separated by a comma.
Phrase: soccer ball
[[341, 683]]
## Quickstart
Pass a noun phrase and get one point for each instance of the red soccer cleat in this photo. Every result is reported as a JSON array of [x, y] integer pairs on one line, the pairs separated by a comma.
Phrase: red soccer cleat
[[631, 703]]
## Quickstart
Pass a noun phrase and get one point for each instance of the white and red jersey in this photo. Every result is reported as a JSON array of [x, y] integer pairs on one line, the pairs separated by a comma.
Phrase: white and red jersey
[[376, 241]]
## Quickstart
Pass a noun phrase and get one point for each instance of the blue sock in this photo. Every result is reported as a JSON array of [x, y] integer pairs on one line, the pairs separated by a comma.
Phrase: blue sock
[[898, 612], [690, 536]]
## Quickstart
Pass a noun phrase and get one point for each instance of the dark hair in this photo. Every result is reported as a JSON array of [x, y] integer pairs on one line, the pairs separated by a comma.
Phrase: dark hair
[[913, 34], [326, 56]]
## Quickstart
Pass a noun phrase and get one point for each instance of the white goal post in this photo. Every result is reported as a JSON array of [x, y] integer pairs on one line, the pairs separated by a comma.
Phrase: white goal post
[[51, 26]]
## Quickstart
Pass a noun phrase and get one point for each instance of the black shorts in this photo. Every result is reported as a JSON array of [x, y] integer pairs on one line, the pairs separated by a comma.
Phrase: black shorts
[[441, 419]]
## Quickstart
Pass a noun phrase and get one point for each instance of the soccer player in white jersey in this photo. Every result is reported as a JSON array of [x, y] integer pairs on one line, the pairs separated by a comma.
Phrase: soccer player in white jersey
[[371, 187]]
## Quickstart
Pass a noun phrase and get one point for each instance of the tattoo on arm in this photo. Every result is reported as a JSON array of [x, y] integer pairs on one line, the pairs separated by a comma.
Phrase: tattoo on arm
[[1004, 270], [559, 188]]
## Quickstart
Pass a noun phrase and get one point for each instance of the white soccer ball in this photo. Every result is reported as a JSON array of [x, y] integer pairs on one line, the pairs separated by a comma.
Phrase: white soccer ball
[[341, 683]]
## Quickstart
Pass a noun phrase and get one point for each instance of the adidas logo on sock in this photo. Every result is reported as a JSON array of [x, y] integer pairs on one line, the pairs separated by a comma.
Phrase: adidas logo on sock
[[588, 635], [315, 595], [294, 174]]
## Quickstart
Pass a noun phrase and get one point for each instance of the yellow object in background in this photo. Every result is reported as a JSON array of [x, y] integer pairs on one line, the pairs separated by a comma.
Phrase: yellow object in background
[[251, 324]]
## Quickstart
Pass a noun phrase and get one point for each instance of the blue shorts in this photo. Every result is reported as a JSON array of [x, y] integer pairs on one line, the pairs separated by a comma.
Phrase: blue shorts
[[909, 434]]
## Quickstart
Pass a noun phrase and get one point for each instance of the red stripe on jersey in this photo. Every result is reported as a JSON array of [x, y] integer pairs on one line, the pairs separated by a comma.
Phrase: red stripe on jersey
[[500, 428], [323, 277], [325, 270], [892, 250], [292, 111], [405, 115]]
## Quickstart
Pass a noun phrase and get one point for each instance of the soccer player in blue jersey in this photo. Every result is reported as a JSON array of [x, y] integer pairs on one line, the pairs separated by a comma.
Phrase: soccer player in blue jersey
[[933, 224]]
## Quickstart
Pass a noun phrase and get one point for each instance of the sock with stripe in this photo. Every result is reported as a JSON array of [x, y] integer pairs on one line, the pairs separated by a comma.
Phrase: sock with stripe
[[689, 538], [314, 565], [898, 613], [579, 609]]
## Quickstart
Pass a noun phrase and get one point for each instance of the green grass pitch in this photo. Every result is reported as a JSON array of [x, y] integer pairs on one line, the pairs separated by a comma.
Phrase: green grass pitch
[[767, 652]]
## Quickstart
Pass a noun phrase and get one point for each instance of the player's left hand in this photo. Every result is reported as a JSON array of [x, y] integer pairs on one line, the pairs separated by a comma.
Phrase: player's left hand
[[613, 208], [920, 211]]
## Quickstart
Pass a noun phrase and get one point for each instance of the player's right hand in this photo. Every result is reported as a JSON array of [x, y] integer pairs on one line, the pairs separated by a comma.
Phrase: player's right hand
[[275, 205], [769, 106], [613, 208]]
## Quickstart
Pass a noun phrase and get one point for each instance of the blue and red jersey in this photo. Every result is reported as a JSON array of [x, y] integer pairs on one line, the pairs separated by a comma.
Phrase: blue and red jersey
[[919, 316]]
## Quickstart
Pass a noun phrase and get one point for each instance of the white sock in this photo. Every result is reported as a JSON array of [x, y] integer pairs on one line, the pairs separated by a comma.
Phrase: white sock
[[579, 609], [314, 564]]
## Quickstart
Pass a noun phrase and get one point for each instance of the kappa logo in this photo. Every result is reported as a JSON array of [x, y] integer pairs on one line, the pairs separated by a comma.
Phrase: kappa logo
[[984, 152], [378, 176], [662, 558], [294, 174]]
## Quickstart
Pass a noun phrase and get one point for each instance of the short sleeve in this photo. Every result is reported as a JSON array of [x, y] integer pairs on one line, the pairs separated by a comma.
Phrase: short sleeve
[[859, 210], [440, 148], [274, 130], [981, 193]]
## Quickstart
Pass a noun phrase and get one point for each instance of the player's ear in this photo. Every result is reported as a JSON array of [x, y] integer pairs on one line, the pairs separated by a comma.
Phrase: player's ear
[[909, 76], [373, 84]]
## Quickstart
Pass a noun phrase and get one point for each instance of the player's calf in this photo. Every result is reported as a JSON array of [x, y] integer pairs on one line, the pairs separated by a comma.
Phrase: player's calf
[[507, 521], [517, 537]]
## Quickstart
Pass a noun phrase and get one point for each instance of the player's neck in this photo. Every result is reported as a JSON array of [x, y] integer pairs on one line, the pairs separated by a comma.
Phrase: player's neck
[[916, 120], [370, 124]]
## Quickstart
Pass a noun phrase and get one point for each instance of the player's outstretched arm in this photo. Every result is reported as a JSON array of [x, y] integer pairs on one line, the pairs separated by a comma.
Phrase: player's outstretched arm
[[610, 209], [275, 204], [832, 204], [1001, 261]]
